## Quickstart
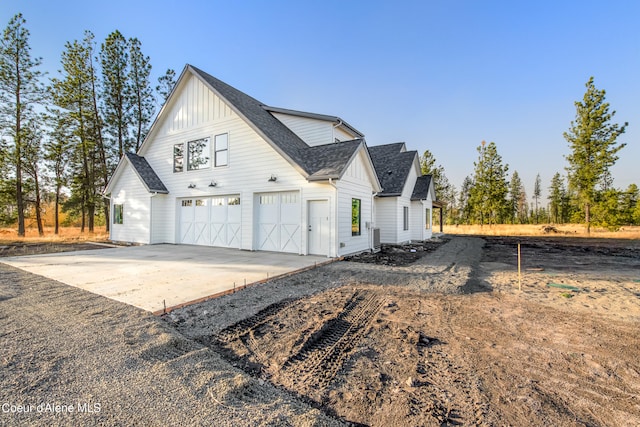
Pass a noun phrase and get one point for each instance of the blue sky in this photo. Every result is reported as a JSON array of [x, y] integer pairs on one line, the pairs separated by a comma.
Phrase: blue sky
[[438, 75]]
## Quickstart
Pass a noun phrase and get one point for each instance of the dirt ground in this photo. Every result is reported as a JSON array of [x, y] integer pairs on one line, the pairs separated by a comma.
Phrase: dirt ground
[[8, 249], [450, 340], [437, 337]]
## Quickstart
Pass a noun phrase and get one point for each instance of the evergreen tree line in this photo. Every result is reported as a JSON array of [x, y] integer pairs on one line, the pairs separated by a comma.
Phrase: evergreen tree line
[[70, 131], [586, 193]]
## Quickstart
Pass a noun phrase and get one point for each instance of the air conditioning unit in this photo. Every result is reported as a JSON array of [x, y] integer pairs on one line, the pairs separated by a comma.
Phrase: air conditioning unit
[[376, 239]]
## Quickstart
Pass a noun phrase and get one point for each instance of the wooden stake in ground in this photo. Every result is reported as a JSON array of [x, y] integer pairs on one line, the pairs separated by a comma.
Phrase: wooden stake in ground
[[519, 274]]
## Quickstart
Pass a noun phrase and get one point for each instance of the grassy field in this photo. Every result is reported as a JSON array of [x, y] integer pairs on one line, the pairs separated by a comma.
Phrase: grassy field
[[572, 230], [67, 234], [73, 234]]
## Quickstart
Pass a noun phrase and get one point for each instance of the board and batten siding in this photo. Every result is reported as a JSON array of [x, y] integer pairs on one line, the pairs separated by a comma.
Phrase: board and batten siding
[[356, 183], [135, 198]]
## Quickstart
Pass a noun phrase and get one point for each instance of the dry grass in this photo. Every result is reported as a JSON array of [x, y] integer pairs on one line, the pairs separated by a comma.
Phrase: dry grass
[[572, 230], [67, 234]]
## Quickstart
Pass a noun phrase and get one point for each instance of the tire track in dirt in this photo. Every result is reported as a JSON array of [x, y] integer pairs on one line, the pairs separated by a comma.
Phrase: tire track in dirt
[[246, 326], [324, 353]]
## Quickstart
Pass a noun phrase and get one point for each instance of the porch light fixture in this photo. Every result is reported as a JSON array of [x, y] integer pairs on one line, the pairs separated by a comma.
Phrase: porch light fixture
[[191, 185], [273, 178], [213, 183]]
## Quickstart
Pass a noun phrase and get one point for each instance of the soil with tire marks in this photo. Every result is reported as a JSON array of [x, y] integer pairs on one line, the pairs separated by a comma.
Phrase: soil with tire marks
[[448, 340], [353, 352]]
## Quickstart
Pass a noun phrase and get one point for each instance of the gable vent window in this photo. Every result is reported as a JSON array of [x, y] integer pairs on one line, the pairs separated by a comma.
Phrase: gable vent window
[[198, 154], [221, 150], [178, 158]]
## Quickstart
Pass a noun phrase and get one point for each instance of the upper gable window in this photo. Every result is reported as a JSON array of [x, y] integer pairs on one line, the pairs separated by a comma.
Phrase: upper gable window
[[221, 150], [178, 158], [198, 154]]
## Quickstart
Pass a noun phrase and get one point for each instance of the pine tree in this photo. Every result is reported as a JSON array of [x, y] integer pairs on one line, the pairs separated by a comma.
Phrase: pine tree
[[464, 203], [165, 85], [75, 95], [141, 92], [557, 195], [32, 160], [592, 139], [515, 197], [116, 92], [628, 203], [57, 152], [537, 191], [445, 192], [488, 195], [20, 91]]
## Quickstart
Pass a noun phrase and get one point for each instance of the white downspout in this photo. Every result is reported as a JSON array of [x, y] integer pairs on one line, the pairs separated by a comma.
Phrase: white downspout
[[336, 228], [371, 222], [155, 193], [333, 134]]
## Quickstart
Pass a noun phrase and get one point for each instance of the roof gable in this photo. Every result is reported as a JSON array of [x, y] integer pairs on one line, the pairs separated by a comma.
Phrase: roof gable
[[314, 163], [392, 164], [422, 188]]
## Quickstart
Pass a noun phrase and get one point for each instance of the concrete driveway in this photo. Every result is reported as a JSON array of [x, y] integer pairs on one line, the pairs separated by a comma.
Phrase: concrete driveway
[[154, 275]]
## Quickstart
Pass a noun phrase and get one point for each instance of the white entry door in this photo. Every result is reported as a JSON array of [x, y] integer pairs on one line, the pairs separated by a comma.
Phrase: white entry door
[[319, 235], [279, 222]]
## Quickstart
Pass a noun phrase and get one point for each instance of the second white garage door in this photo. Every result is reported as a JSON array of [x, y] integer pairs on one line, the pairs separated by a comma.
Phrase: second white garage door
[[279, 222]]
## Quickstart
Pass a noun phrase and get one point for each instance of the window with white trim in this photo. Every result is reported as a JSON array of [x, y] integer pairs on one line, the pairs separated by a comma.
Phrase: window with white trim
[[355, 217], [221, 150], [118, 214], [198, 154], [178, 158]]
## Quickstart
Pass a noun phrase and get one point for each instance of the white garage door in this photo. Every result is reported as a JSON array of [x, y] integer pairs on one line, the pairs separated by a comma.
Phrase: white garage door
[[279, 222], [211, 221]]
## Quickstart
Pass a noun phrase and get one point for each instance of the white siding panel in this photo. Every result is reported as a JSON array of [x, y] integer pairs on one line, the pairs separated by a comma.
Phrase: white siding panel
[[386, 208], [342, 135], [313, 132], [136, 209], [161, 206]]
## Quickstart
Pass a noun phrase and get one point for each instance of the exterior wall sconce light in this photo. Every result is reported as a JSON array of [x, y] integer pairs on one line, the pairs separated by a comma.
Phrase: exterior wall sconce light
[[273, 178], [213, 183], [192, 185]]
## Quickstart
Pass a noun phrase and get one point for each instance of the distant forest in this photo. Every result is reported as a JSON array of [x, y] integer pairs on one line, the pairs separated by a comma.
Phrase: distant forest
[[61, 138]]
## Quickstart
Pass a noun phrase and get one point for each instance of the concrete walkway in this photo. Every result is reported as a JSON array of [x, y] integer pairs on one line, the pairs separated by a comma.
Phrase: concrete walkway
[[154, 275]]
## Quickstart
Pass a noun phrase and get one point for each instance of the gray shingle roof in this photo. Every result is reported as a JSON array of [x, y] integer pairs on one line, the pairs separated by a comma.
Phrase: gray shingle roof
[[147, 175], [330, 160], [421, 189], [392, 167]]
